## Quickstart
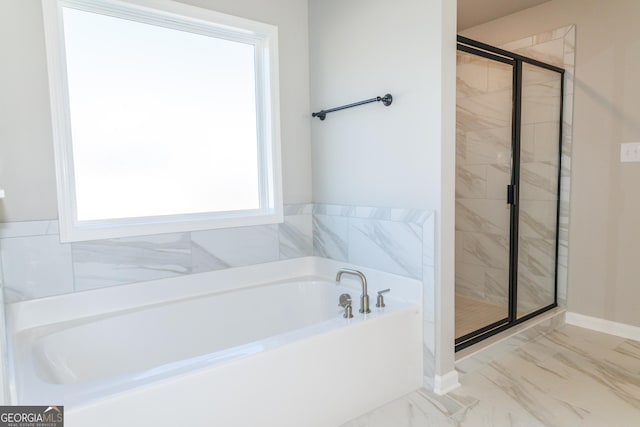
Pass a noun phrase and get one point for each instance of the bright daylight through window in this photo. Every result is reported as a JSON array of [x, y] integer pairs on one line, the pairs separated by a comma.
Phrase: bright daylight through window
[[164, 120]]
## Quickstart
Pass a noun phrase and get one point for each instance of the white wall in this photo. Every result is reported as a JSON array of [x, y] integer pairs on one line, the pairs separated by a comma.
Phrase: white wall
[[26, 153], [605, 207], [374, 155], [397, 156]]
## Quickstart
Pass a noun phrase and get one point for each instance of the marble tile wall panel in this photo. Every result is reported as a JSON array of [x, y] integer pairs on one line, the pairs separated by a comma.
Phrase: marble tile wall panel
[[35, 267], [296, 232], [485, 147], [486, 249], [108, 262], [541, 107], [429, 297], [500, 77], [498, 177], [538, 219], [391, 246], [565, 182], [413, 216], [538, 191], [561, 52], [538, 181], [483, 283], [483, 158], [383, 238], [296, 236], [538, 257], [428, 241], [331, 236], [487, 111], [472, 75], [471, 181], [536, 273], [298, 209], [470, 280], [482, 215], [527, 142], [534, 291], [334, 210], [545, 142], [237, 247], [38, 265]]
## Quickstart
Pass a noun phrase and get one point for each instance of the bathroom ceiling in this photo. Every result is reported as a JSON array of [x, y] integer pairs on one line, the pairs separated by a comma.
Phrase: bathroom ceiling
[[476, 12]]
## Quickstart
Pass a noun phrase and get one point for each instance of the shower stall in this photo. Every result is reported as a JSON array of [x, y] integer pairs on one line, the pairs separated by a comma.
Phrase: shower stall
[[508, 151]]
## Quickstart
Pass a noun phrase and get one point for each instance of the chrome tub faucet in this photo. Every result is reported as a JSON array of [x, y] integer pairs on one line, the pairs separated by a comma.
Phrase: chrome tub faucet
[[364, 296]]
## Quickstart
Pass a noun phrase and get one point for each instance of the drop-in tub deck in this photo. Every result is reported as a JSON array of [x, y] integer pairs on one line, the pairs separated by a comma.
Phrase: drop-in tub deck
[[259, 345]]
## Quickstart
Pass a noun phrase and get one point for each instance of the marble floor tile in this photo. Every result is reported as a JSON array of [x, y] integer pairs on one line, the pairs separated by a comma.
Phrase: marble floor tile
[[569, 377], [419, 408]]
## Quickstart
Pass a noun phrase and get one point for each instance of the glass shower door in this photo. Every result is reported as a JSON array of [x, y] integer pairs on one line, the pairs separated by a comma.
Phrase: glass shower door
[[508, 151], [483, 171], [539, 188]]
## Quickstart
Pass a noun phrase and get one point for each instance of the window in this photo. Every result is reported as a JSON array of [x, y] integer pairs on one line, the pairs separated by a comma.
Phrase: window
[[164, 119]]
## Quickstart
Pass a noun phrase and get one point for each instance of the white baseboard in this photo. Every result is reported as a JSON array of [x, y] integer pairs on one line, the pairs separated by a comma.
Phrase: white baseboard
[[443, 384], [602, 325]]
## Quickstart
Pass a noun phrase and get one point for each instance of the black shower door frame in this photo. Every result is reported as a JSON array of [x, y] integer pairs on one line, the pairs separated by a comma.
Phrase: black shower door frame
[[516, 61]]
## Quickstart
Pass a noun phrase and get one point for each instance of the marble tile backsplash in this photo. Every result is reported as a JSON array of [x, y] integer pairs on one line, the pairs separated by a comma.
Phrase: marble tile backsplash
[[35, 264], [382, 238]]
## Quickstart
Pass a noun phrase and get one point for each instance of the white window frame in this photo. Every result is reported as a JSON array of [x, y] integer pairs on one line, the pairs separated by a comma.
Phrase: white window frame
[[173, 15]]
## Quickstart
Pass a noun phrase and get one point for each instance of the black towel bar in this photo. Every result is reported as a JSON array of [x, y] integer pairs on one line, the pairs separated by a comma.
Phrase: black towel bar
[[386, 100]]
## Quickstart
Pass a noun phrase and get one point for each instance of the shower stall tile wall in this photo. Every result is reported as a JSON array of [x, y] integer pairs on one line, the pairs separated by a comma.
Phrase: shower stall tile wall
[[483, 157], [483, 165], [512, 193]]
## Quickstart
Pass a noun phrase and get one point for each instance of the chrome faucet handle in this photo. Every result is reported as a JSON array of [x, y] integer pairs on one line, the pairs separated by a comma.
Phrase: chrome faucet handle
[[380, 301], [348, 312], [345, 302]]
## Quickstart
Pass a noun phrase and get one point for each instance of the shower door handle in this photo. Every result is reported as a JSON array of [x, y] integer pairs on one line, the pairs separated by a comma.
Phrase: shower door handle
[[511, 194]]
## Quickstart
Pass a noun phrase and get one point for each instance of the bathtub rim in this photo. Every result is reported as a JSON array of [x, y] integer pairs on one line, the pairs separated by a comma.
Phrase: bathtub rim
[[30, 314], [63, 309]]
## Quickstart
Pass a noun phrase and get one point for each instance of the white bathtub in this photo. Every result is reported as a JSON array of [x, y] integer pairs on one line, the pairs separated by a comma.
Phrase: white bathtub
[[256, 346]]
